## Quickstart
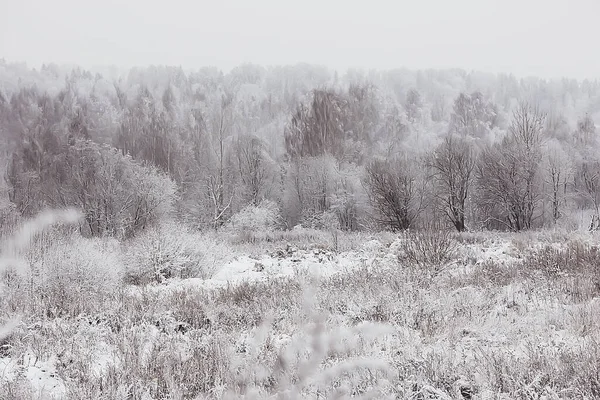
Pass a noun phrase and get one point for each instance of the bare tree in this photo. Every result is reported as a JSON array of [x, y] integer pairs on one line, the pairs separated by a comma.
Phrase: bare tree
[[393, 191], [508, 173], [527, 127], [452, 164], [587, 182], [557, 176], [254, 167], [309, 187], [221, 130]]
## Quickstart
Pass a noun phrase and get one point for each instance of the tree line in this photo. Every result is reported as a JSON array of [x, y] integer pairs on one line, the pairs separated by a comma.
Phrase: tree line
[[355, 153]]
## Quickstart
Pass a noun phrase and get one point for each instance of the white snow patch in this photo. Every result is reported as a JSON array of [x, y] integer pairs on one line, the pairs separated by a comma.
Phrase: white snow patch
[[103, 359], [41, 376], [317, 263]]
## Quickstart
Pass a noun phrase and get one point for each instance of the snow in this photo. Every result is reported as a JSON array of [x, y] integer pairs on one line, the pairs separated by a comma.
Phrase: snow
[[41, 376], [316, 263], [515, 319], [103, 359], [319, 263]]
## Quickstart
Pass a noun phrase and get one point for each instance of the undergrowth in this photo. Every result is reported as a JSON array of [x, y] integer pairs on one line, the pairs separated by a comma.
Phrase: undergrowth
[[424, 315]]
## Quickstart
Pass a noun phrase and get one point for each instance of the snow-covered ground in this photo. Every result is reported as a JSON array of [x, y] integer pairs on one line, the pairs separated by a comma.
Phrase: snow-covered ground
[[286, 263], [457, 324]]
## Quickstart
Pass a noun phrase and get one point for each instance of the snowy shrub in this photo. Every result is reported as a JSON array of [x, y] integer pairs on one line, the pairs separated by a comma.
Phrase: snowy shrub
[[430, 248], [75, 275], [27, 242], [253, 222], [263, 216], [164, 252], [576, 258]]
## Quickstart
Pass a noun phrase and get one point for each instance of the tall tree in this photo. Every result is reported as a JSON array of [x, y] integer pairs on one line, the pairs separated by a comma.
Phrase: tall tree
[[394, 193], [508, 173], [413, 105], [473, 115], [318, 128], [452, 164], [217, 181], [256, 169], [558, 176]]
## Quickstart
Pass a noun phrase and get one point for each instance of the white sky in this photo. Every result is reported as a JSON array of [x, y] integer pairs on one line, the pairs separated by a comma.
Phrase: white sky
[[547, 38]]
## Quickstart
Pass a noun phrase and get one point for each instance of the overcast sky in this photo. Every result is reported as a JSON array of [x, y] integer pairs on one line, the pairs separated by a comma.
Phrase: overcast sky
[[548, 38]]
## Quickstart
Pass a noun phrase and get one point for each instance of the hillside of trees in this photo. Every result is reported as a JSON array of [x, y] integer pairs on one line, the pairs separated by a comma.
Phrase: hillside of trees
[[391, 150]]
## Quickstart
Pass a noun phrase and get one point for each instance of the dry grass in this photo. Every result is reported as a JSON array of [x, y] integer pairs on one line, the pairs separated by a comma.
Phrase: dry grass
[[431, 249], [516, 330]]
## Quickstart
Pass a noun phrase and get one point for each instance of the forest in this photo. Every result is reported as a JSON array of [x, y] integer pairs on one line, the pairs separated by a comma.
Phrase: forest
[[295, 232], [389, 150]]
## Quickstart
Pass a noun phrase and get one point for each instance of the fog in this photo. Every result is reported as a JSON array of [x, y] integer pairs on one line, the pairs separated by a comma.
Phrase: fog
[[282, 226], [551, 38]]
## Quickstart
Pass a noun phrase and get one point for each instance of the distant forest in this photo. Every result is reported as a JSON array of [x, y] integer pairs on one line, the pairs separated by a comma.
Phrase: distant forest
[[391, 150]]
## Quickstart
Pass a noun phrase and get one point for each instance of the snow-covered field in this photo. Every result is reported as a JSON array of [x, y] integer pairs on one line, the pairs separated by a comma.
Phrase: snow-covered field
[[508, 316]]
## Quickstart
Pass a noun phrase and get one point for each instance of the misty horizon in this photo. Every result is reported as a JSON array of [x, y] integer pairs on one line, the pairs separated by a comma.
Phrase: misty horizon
[[113, 71], [299, 200], [543, 39]]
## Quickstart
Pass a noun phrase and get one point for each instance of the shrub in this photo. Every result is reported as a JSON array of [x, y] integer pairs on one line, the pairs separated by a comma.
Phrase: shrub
[[117, 195], [264, 216], [74, 275], [164, 252], [429, 248], [253, 220], [575, 258]]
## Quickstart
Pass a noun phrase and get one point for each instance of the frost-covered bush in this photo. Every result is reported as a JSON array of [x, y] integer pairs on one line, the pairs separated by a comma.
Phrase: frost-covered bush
[[13, 267], [263, 216], [174, 251], [574, 258], [431, 249], [254, 220], [74, 275], [117, 194]]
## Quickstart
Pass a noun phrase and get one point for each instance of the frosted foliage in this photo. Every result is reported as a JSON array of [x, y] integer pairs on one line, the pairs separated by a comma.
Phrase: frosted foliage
[[261, 217], [290, 232], [76, 274], [168, 251], [16, 247]]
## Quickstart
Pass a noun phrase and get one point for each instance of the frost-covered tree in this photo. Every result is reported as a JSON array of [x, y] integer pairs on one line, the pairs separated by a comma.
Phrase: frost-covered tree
[[116, 195], [508, 178], [317, 128], [363, 118], [168, 118], [218, 180], [586, 131], [257, 171], [473, 115], [413, 105], [452, 164], [394, 193], [587, 183]]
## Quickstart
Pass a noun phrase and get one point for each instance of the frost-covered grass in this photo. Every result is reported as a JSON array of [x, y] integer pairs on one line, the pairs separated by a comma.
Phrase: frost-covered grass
[[510, 316]]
